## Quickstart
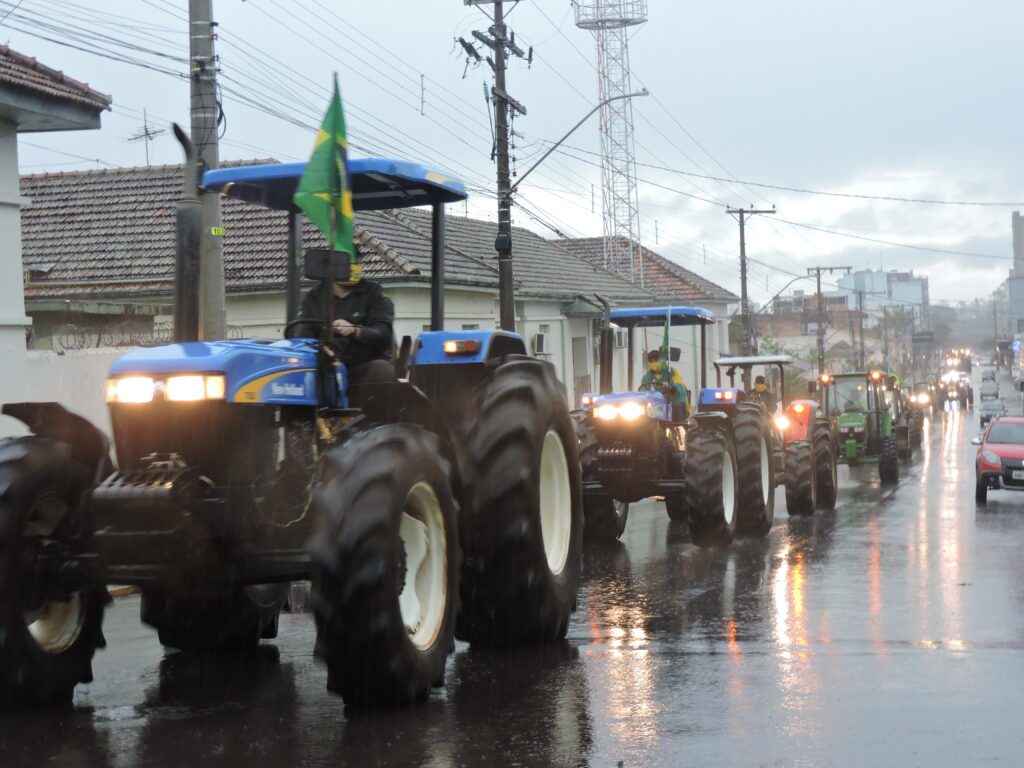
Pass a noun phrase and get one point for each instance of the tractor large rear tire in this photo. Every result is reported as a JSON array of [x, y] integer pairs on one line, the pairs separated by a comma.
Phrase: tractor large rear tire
[[236, 621], [801, 479], [385, 566], [46, 648], [755, 478], [889, 462], [711, 487], [523, 514], [825, 467]]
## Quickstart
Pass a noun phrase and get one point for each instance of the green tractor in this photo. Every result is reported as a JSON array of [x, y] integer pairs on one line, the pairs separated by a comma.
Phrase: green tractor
[[865, 423], [908, 420]]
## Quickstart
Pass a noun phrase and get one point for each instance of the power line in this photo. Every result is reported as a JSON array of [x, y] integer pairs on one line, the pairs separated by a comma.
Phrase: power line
[[897, 244]]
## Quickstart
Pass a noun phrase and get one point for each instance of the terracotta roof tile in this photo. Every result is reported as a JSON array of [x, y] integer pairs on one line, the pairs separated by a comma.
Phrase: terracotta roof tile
[[111, 233], [25, 73], [663, 277]]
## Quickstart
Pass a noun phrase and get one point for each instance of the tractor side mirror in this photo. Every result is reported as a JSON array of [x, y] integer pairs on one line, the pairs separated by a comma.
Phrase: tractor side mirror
[[675, 354], [324, 264], [1020, 385], [812, 387], [976, 440]]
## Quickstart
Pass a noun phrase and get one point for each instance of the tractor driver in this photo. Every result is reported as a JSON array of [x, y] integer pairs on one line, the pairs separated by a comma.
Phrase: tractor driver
[[662, 377], [362, 332], [763, 395]]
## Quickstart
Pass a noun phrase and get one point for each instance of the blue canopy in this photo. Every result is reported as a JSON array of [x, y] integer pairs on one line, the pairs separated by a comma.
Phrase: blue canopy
[[646, 317], [376, 184]]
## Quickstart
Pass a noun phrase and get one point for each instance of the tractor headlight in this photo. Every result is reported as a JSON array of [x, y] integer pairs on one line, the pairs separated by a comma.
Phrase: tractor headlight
[[923, 399], [195, 387], [782, 422], [606, 412], [131, 389], [631, 411]]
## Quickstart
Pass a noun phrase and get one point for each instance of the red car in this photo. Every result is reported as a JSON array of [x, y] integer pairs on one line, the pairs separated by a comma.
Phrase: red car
[[1000, 461]]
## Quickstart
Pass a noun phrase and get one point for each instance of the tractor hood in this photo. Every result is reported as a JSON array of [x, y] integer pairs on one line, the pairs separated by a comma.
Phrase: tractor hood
[[853, 420], [279, 372], [654, 403]]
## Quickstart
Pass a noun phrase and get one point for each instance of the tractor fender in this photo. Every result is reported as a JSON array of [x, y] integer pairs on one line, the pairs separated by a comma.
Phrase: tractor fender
[[716, 420], [89, 446], [400, 402]]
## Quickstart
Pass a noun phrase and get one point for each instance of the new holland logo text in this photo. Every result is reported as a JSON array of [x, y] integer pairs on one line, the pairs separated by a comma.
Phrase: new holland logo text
[[288, 390]]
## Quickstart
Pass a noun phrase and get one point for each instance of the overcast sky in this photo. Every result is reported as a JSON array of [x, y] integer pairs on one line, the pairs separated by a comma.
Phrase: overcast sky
[[900, 98]]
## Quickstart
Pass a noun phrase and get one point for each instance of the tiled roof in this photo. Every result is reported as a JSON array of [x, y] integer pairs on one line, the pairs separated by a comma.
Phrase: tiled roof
[[663, 277], [110, 233], [25, 73]]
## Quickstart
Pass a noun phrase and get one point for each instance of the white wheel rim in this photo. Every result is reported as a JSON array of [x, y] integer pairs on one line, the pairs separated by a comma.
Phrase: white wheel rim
[[766, 487], [54, 626], [555, 502], [425, 589], [728, 489]]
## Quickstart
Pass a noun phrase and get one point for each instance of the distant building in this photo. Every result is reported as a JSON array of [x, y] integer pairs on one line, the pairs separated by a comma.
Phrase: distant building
[[880, 291]]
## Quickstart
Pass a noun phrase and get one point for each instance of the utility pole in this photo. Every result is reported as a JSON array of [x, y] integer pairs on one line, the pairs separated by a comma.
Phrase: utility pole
[[860, 319], [816, 272], [205, 113], [748, 332], [501, 44], [885, 336]]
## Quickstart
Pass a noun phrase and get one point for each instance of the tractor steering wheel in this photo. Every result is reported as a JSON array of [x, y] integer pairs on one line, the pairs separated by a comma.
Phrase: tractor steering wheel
[[300, 321]]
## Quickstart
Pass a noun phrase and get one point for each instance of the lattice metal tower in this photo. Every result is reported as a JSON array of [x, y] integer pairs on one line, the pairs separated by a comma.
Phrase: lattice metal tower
[[610, 21]]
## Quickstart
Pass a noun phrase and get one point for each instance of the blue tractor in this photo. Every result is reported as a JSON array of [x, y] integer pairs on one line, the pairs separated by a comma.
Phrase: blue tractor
[[446, 505], [636, 445]]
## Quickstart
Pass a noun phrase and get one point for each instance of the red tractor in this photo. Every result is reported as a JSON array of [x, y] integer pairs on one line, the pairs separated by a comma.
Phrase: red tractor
[[804, 448]]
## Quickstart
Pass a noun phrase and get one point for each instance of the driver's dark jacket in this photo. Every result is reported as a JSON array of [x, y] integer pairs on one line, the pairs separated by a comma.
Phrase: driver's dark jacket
[[366, 306]]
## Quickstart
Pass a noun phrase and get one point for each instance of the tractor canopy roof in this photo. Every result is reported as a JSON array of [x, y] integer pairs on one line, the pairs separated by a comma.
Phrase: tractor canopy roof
[[654, 317], [742, 362], [376, 184]]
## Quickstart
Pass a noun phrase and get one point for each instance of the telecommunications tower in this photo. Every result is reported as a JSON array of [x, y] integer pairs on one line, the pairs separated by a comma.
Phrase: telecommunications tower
[[610, 21]]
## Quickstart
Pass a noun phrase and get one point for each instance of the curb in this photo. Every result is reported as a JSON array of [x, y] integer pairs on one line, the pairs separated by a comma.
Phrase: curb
[[122, 591]]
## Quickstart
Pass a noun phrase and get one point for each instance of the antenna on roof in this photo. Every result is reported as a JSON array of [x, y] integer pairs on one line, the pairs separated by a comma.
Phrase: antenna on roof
[[146, 134]]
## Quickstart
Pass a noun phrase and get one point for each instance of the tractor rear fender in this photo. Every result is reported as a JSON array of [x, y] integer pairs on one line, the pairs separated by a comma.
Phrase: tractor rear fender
[[400, 402], [715, 420], [89, 446]]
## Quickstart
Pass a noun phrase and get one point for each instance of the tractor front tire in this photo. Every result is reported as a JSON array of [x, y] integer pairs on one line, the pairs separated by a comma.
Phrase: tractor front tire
[[604, 518], [46, 645], [386, 564], [889, 462], [825, 467], [523, 512], [677, 509], [756, 479], [711, 488], [801, 479], [236, 621]]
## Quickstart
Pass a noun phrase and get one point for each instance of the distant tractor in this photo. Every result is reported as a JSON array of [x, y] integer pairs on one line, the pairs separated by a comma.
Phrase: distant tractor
[[863, 421], [446, 504], [637, 445], [802, 441]]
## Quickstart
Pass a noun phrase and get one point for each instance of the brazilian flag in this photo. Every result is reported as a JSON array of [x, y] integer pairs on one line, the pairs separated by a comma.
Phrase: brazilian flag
[[323, 193]]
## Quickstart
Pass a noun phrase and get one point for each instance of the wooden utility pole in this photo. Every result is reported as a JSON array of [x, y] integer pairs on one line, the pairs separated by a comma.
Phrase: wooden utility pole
[[501, 43], [816, 272], [747, 342], [205, 113], [860, 319]]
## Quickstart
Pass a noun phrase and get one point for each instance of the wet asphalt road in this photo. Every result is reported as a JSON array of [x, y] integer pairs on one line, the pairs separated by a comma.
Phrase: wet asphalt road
[[889, 632]]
